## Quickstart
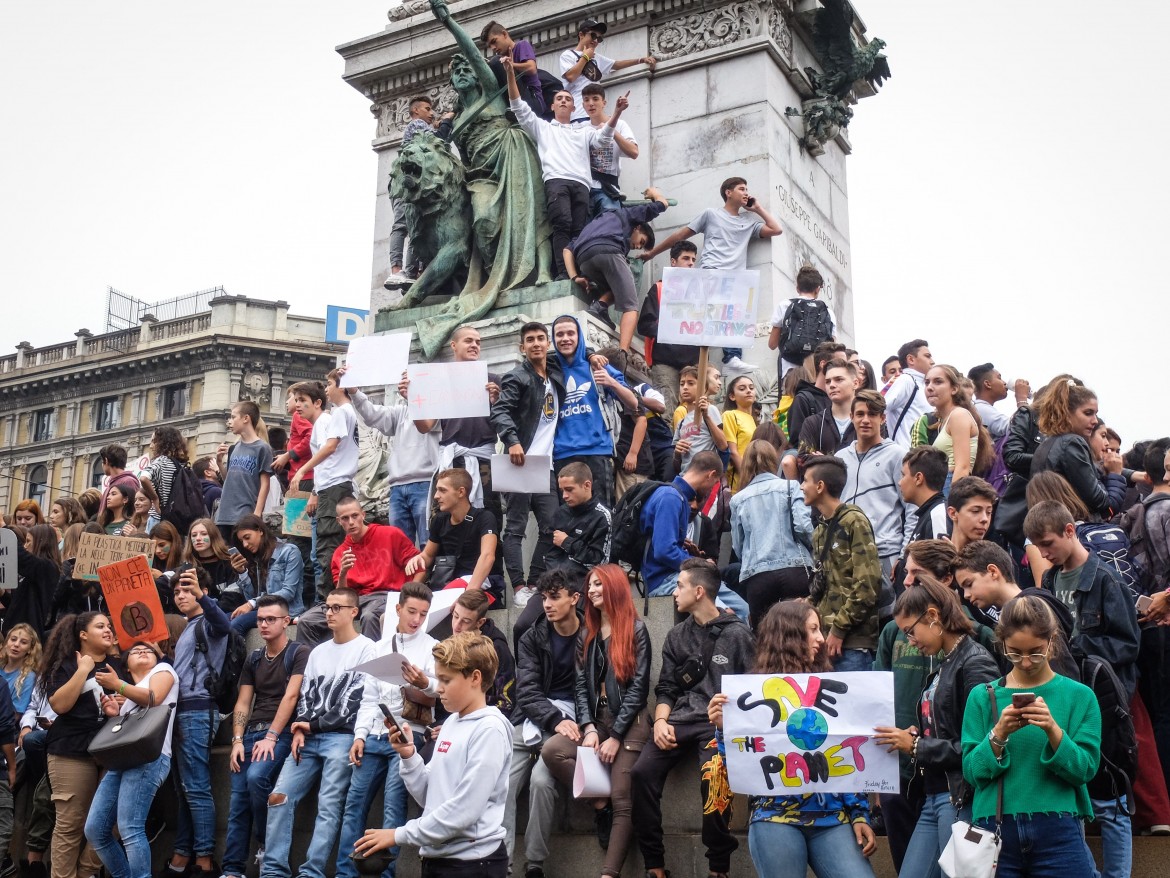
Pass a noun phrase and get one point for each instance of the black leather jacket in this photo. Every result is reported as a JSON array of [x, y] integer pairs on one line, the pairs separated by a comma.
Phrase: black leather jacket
[[516, 413], [1069, 455], [626, 700], [967, 668]]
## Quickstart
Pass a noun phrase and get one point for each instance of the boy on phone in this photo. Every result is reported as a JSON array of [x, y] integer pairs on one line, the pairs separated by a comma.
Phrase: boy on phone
[[464, 788]]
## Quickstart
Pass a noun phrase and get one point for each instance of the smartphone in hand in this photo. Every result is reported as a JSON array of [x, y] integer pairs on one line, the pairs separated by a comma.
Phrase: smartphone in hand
[[751, 202], [1144, 602], [1021, 700], [390, 718]]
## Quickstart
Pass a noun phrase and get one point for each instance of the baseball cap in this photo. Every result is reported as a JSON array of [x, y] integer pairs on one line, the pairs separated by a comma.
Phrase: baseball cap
[[592, 24]]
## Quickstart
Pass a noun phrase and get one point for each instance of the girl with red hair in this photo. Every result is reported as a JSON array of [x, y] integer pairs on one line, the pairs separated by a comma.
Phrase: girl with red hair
[[613, 683]]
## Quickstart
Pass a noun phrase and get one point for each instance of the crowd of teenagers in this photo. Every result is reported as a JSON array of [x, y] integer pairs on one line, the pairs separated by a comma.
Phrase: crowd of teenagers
[[1010, 570]]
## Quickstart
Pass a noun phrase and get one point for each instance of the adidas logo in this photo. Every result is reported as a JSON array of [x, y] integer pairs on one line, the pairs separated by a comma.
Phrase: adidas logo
[[574, 392]]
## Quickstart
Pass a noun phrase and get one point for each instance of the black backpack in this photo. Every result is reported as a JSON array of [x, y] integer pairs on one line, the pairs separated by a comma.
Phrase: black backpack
[[1119, 749], [1150, 572], [628, 541], [223, 683], [185, 504], [806, 324], [290, 657]]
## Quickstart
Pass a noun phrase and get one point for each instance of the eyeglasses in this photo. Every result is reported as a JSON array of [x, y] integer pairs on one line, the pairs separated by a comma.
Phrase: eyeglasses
[[337, 608], [1035, 657], [142, 650], [909, 632], [269, 620]]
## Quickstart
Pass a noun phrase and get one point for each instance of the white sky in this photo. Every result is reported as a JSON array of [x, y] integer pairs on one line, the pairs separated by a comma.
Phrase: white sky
[[1004, 186]]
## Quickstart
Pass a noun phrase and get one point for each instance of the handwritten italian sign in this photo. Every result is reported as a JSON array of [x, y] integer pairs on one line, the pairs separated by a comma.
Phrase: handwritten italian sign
[[808, 733], [448, 390], [133, 600], [94, 550], [297, 521], [706, 306]]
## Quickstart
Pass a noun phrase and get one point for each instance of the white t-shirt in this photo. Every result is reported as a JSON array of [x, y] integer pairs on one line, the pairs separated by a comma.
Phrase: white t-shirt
[[606, 158], [725, 237], [546, 427], [342, 465], [172, 697], [593, 72]]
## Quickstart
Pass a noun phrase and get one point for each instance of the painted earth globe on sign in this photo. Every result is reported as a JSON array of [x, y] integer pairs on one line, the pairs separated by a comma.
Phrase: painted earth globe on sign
[[807, 729]]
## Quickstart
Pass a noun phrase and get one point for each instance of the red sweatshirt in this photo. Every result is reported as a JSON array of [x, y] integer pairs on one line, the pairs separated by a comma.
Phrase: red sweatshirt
[[381, 555], [298, 444]]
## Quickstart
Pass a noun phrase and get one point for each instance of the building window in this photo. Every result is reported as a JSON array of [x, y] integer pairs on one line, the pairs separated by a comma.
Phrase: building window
[[42, 425], [38, 484], [107, 413], [174, 400], [97, 472]]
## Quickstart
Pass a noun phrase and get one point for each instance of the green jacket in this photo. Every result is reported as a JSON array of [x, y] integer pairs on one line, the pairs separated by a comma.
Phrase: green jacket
[[846, 593]]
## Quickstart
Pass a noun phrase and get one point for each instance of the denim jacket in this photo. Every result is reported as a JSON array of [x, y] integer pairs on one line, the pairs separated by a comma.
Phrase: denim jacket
[[284, 578], [764, 514]]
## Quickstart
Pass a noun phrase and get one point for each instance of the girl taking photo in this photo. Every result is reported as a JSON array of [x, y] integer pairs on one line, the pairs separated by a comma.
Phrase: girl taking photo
[[1040, 735], [932, 619], [75, 653], [227, 570], [787, 835], [124, 797], [613, 683]]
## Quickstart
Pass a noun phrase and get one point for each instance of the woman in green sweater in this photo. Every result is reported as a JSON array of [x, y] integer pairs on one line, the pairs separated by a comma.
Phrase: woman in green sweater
[[1044, 752]]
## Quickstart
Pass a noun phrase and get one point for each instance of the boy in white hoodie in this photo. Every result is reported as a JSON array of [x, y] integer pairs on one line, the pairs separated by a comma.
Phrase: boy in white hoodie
[[464, 788], [374, 760]]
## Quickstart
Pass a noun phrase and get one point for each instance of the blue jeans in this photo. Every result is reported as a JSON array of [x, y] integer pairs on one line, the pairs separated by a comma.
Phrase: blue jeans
[[728, 353], [194, 731], [379, 768], [854, 660], [409, 505], [725, 599], [1116, 838], [1042, 846], [245, 623], [782, 851], [599, 202], [325, 754], [124, 798], [248, 812], [932, 833]]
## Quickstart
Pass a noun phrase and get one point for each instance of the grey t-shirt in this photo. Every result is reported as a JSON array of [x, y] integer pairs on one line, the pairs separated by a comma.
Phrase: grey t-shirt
[[699, 435], [241, 482], [725, 237], [1066, 589]]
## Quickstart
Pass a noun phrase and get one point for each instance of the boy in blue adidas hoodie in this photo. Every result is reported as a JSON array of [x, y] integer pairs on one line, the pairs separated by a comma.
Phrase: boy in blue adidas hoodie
[[582, 433]]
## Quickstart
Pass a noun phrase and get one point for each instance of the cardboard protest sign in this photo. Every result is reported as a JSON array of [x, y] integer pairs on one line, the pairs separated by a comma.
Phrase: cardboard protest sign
[[376, 360], [448, 390], [793, 734], [94, 550], [133, 601], [706, 306], [297, 521]]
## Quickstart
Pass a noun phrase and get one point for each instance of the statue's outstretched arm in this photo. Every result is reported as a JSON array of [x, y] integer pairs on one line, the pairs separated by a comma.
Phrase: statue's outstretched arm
[[466, 44]]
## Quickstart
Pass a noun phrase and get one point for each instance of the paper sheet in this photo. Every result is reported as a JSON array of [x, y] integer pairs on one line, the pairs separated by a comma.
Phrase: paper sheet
[[448, 390], [590, 776], [376, 360], [532, 478], [387, 668], [441, 604]]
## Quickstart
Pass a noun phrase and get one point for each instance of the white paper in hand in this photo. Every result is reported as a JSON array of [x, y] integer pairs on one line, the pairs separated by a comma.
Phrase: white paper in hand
[[387, 668], [448, 390], [376, 360], [532, 478], [591, 776]]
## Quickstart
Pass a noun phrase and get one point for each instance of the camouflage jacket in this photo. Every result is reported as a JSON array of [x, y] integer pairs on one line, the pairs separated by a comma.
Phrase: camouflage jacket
[[846, 588]]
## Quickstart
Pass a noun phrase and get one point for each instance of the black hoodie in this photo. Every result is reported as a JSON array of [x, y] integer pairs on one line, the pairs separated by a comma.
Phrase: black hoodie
[[588, 527], [733, 653], [809, 400]]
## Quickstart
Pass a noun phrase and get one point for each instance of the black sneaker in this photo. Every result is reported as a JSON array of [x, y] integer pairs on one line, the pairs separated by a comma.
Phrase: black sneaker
[[601, 311], [36, 869], [534, 872], [603, 821], [8, 868]]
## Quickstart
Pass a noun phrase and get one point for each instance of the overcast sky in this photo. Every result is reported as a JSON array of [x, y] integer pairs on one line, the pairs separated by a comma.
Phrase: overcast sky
[[1006, 191]]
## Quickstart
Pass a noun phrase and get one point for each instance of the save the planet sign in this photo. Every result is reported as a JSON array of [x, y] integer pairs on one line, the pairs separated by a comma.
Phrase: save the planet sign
[[792, 734]]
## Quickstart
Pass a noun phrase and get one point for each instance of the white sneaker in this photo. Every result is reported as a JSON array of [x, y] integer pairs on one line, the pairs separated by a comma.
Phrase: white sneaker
[[522, 595], [397, 281], [736, 364], [260, 856]]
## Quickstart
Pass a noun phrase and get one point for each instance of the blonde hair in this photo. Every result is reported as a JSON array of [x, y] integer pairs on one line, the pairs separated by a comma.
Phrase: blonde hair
[[468, 652], [32, 658]]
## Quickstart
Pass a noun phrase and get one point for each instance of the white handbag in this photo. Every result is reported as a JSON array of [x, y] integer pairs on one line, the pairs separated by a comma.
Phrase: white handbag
[[973, 852]]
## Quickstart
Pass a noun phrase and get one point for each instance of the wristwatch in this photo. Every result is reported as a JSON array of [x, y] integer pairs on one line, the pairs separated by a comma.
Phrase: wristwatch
[[998, 742]]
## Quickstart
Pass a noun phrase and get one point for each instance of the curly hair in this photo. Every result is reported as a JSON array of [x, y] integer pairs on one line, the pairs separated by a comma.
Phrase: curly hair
[[168, 442], [63, 645], [31, 660], [782, 641]]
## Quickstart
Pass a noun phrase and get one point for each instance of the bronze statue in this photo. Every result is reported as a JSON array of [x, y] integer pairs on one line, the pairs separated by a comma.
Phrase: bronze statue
[[509, 227], [428, 181], [844, 63]]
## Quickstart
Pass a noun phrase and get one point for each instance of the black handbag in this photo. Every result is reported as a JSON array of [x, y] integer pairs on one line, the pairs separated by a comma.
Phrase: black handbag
[[132, 739]]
